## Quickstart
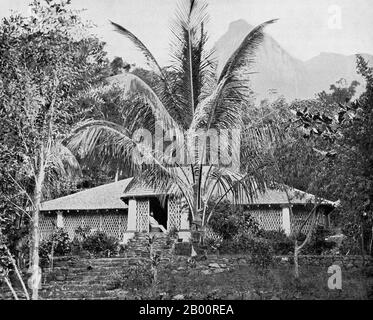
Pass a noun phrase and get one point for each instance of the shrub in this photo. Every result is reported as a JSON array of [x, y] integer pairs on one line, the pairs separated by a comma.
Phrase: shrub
[[212, 243], [131, 278], [261, 254], [280, 242], [350, 246], [242, 243], [228, 221], [61, 246], [352, 242], [318, 245], [173, 233], [99, 242], [82, 233]]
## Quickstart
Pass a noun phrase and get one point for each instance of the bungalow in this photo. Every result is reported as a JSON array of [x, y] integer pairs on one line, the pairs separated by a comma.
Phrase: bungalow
[[121, 211]]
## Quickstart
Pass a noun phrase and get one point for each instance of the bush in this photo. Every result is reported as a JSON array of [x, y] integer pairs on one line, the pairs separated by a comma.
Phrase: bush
[[61, 246], [132, 278], [99, 242], [261, 254], [318, 245], [212, 243], [241, 244], [229, 221], [280, 242], [82, 233], [352, 242], [350, 246]]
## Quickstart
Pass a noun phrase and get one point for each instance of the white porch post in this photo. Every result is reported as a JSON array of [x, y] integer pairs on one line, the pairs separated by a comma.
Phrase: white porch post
[[184, 232], [60, 223], [131, 221], [286, 225]]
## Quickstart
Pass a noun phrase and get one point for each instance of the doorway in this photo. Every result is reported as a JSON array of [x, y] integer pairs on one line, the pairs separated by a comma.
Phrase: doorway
[[159, 212]]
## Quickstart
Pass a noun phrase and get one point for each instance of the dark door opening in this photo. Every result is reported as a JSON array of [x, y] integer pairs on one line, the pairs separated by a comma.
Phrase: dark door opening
[[159, 213]]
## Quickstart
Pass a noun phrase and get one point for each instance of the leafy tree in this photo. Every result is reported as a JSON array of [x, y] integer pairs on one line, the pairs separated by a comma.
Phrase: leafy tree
[[340, 93], [348, 154], [46, 60], [189, 100], [118, 66]]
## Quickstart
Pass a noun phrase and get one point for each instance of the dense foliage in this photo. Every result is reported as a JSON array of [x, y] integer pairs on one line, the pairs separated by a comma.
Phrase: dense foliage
[[345, 148], [58, 244], [100, 243], [229, 221]]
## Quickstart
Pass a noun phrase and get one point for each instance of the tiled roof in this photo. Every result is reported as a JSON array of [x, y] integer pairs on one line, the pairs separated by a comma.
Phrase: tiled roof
[[271, 196], [280, 198], [107, 196]]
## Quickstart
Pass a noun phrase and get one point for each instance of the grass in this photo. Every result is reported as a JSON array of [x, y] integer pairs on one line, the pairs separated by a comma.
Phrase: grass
[[248, 283]]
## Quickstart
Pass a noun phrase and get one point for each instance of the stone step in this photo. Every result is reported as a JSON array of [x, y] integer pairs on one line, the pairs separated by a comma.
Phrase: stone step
[[75, 282], [81, 295], [90, 298], [76, 287]]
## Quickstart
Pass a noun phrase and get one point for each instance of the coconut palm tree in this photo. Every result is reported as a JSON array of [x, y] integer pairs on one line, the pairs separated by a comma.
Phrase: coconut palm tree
[[191, 101]]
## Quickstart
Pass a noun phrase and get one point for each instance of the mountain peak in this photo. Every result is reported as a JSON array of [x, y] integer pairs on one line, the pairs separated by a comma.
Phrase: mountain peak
[[275, 68], [240, 24]]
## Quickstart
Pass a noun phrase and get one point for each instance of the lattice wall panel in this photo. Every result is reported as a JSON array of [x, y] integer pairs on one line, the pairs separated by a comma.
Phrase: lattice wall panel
[[47, 225], [72, 222], [299, 216], [92, 221], [174, 214], [142, 215], [268, 219], [113, 224]]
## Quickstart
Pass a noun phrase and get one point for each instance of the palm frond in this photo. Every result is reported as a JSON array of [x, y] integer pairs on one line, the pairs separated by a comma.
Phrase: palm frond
[[244, 55], [143, 49], [152, 62], [132, 84], [90, 135], [191, 60], [224, 107]]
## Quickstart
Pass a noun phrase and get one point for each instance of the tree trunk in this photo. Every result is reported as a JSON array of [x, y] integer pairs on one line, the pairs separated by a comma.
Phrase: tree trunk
[[296, 262], [35, 240], [371, 242], [16, 270], [298, 249], [8, 283], [362, 242], [117, 175]]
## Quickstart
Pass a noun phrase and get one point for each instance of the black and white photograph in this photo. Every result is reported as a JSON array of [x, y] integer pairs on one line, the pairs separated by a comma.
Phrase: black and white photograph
[[186, 154]]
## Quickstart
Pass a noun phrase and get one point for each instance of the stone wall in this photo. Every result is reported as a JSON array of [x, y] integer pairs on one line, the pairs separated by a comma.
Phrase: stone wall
[[346, 262]]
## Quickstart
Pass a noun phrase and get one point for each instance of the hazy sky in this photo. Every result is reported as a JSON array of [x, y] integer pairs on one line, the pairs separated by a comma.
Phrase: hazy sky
[[305, 28]]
